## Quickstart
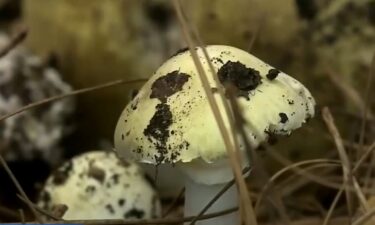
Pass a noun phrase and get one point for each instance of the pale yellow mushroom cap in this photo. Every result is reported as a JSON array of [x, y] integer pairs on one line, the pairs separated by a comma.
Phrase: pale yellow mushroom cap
[[170, 119], [98, 185]]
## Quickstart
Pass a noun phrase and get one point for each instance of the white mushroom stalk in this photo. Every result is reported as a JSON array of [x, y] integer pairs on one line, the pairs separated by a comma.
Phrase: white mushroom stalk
[[170, 120], [97, 185]]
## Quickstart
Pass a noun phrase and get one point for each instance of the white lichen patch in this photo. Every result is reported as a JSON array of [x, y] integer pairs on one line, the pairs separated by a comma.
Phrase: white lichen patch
[[24, 78], [343, 35]]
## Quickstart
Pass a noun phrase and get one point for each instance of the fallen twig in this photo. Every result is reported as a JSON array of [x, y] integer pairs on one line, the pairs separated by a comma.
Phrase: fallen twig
[[233, 159], [19, 188], [174, 202], [59, 97], [18, 38], [141, 221]]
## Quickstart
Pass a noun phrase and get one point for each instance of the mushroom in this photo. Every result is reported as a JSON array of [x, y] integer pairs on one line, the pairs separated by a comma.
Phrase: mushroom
[[97, 185], [170, 120]]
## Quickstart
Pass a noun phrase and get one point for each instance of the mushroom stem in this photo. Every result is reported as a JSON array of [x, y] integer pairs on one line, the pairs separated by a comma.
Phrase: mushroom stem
[[198, 195]]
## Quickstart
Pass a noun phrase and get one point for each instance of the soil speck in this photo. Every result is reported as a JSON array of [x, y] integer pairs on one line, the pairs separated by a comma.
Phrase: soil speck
[[283, 117], [243, 78], [167, 85], [272, 74]]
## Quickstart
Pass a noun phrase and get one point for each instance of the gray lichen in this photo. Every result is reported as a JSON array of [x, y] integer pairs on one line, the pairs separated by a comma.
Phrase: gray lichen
[[24, 78]]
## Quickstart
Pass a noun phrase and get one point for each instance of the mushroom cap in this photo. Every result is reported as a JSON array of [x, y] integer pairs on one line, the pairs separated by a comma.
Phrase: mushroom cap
[[97, 185], [170, 119]]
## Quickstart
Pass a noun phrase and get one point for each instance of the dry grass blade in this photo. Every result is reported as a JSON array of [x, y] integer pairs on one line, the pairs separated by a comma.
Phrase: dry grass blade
[[19, 188], [368, 174], [339, 193], [335, 221], [256, 162], [295, 182], [40, 210], [59, 97], [19, 37], [217, 196], [142, 221], [360, 194], [224, 132], [174, 202], [366, 101], [333, 206], [346, 165], [348, 176], [317, 179], [234, 125], [364, 118], [316, 221], [156, 221], [349, 92], [364, 157], [213, 200], [315, 162], [364, 218], [326, 136]]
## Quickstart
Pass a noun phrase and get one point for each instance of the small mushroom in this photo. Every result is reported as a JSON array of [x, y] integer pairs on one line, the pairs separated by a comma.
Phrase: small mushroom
[[170, 120], [97, 185]]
